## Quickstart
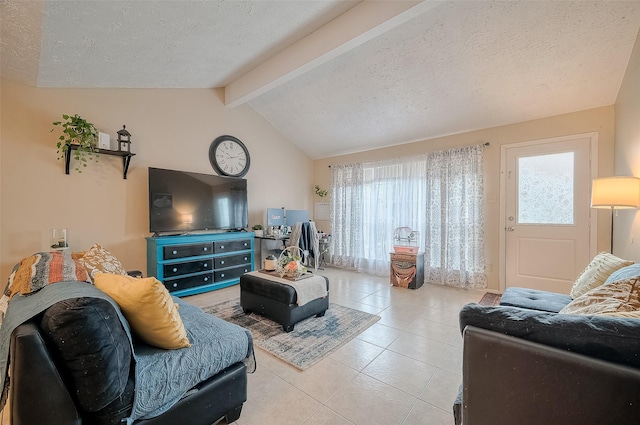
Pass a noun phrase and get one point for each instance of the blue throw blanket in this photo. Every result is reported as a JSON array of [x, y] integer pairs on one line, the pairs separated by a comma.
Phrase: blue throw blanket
[[162, 377], [165, 376]]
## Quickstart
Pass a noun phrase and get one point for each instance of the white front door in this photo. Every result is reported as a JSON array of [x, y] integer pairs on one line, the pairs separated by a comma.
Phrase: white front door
[[547, 212]]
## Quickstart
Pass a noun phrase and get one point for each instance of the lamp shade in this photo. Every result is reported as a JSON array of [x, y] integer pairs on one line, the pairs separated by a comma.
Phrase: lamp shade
[[616, 192]]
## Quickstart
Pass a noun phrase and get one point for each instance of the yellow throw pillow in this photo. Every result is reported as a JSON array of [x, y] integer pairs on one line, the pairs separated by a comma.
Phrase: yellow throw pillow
[[99, 259], [616, 297], [597, 272], [148, 307]]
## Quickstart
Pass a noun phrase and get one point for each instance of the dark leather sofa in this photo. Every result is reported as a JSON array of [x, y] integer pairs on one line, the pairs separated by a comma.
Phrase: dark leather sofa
[[525, 366], [39, 394]]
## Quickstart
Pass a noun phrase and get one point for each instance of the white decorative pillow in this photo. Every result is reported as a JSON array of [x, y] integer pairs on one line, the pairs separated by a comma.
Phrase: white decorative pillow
[[597, 273]]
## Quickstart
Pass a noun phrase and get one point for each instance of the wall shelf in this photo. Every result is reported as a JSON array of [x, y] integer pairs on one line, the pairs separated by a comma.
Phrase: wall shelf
[[126, 158]]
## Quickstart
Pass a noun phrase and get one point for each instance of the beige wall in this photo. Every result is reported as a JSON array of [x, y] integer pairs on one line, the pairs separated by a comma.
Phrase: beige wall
[[600, 120], [173, 129], [170, 128], [626, 238]]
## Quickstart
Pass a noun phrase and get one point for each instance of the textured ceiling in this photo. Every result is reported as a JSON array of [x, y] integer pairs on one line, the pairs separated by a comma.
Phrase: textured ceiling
[[335, 76], [157, 44], [464, 66]]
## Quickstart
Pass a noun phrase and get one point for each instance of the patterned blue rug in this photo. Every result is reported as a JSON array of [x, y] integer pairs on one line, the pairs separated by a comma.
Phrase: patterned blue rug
[[311, 340]]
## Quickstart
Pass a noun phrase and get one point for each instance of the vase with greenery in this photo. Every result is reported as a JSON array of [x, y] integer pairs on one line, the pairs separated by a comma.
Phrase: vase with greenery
[[78, 132]]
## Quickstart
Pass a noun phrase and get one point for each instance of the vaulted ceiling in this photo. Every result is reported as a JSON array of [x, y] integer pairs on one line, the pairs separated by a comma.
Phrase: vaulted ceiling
[[333, 76]]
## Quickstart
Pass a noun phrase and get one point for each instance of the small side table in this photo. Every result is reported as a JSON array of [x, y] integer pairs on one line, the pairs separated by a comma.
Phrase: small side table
[[323, 247], [407, 270]]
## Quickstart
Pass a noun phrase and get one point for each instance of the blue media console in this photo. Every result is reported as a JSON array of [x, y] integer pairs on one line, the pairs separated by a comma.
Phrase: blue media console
[[192, 264]]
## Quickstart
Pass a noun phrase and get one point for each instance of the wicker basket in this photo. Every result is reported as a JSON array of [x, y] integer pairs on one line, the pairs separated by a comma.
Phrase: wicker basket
[[284, 266]]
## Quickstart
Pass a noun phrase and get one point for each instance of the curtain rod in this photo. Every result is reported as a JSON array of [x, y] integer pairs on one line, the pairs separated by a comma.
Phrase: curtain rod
[[485, 144]]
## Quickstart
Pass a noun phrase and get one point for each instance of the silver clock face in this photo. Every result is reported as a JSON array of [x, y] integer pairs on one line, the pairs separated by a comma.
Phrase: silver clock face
[[229, 156]]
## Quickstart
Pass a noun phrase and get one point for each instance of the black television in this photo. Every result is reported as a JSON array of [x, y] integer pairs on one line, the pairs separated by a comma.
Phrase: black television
[[181, 201]]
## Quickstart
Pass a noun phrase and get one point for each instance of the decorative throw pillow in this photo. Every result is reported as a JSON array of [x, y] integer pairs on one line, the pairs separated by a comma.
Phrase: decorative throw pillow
[[99, 259], [624, 273], [95, 349], [148, 307], [597, 273], [620, 296], [76, 255]]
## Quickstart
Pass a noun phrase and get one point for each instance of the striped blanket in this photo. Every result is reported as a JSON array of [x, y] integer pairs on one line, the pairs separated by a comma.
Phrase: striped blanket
[[43, 268]]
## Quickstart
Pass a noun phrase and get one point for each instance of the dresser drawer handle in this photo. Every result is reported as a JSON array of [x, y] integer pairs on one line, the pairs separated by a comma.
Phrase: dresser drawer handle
[[205, 249], [174, 252], [222, 262], [175, 285], [206, 265], [222, 275], [221, 246], [206, 279], [245, 258], [245, 244], [175, 269]]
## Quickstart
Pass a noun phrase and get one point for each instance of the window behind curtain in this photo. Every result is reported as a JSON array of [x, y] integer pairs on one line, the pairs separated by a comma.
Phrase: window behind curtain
[[439, 194]]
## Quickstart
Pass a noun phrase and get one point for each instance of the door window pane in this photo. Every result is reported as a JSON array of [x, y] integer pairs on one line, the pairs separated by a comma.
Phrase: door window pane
[[545, 189]]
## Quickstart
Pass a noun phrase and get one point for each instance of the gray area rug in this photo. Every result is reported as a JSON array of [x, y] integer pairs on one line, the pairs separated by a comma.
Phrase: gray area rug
[[311, 340]]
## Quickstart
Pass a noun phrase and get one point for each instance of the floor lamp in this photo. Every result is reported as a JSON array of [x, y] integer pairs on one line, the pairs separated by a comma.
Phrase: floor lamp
[[615, 193]]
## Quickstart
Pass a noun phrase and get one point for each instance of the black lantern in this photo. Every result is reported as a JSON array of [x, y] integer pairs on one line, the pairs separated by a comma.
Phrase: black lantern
[[124, 140]]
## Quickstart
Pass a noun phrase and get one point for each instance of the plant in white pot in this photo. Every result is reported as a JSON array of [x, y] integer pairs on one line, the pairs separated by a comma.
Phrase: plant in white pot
[[78, 132], [257, 228]]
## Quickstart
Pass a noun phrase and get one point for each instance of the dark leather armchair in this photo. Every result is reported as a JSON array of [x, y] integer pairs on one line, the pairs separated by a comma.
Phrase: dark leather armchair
[[508, 380], [39, 395]]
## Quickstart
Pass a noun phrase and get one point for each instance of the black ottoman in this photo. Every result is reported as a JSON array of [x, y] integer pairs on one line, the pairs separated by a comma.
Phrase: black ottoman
[[278, 301]]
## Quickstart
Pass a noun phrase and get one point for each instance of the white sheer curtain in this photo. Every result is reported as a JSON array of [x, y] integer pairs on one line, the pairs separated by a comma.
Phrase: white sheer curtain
[[393, 194], [454, 237], [346, 215], [439, 194]]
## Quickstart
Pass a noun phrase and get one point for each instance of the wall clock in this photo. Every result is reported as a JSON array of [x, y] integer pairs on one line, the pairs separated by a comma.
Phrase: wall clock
[[229, 156]]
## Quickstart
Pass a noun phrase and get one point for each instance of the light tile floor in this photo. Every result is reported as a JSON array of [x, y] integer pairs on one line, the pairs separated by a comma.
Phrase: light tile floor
[[403, 370]]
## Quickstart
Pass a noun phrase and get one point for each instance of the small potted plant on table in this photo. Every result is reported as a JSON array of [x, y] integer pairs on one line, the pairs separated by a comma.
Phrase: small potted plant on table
[[257, 228]]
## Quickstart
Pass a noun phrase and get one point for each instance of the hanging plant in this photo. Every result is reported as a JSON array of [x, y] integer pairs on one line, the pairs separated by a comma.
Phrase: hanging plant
[[321, 193], [78, 132]]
